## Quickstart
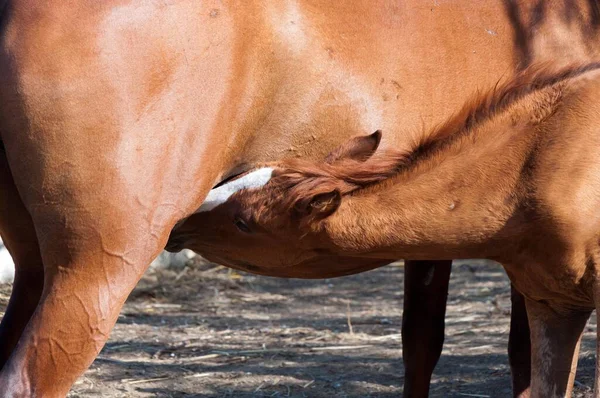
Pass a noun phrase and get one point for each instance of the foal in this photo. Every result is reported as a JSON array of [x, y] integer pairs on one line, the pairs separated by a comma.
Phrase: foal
[[515, 177]]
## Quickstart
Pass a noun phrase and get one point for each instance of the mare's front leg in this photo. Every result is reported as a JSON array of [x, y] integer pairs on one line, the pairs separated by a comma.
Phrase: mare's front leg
[[555, 338], [425, 294], [20, 239]]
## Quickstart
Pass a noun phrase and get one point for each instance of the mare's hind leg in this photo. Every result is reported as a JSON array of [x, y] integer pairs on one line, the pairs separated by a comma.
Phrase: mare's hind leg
[[425, 294], [555, 339], [85, 287], [519, 346], [96, 241], [19, 237]]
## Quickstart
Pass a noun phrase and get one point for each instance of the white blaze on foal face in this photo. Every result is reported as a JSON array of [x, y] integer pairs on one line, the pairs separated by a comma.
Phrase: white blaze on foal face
[[255, 179], [224, 231]]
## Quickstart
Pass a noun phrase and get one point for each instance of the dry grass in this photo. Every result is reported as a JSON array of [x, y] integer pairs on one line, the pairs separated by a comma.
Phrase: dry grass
[[211, 332]]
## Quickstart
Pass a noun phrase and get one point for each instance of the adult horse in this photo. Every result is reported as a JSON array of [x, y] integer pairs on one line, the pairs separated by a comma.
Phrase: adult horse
[[117, 117]]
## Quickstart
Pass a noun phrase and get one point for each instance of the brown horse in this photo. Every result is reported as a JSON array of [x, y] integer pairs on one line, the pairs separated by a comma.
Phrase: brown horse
[[514, 177], [118, 117]]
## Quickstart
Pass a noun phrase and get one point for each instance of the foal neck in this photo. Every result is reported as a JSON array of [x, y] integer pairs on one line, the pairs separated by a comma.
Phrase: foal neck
[[459, 192]]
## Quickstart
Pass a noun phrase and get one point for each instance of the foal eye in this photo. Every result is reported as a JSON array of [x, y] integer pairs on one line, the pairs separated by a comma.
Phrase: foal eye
[[242, 226]]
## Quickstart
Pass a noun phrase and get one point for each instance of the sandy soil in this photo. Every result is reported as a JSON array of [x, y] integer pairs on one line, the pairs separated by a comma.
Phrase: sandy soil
[[210, 332]]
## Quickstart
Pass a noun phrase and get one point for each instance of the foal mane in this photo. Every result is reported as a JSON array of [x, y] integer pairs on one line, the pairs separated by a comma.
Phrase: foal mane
[[484, 106], [300, 180]]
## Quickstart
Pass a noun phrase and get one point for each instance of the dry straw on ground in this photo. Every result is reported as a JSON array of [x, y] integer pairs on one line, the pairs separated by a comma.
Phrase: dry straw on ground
[[205, 331]]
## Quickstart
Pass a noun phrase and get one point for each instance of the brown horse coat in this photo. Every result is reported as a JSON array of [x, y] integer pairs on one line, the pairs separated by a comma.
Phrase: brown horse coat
[[514, 177], [117, 118]]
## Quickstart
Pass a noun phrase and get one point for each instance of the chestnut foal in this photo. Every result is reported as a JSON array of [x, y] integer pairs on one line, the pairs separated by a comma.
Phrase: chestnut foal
[[514, 177]]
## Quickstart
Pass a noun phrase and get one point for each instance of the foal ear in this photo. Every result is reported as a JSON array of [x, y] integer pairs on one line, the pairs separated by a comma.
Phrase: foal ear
[[358, 148], [320, 205]]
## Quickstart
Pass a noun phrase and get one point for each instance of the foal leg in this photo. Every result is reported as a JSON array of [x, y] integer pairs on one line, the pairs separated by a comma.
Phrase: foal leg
[[425, 294], [555, 339], [19, 237], [519, 346]]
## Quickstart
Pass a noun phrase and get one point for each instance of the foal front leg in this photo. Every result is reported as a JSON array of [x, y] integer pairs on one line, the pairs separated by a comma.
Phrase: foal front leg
[[425, 295], [555, 339]]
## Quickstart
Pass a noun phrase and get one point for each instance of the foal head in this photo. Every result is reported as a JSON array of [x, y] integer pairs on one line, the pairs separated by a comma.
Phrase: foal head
[[269, 220]]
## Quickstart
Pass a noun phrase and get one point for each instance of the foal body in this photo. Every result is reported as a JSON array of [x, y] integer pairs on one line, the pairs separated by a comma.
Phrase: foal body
[[523, 193], [514, 178]]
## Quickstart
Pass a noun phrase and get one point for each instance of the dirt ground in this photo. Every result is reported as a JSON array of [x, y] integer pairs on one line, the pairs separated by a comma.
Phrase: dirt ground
[[210, 332]]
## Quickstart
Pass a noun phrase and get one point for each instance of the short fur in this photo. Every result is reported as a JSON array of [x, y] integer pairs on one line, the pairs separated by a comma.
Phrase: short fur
[[302, 180], [513, 177]]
